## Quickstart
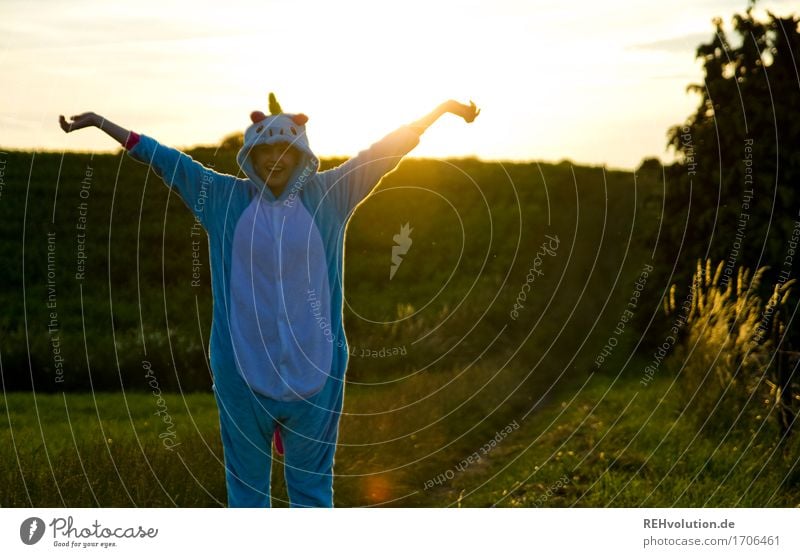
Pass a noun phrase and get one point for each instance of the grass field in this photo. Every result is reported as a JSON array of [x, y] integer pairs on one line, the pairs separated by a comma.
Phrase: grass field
[[476, 225], [608, 443], [618, 444], [484, 406]]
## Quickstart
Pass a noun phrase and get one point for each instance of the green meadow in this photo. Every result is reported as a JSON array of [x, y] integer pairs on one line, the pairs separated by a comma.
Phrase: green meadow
[[501, 364], [609, 443]]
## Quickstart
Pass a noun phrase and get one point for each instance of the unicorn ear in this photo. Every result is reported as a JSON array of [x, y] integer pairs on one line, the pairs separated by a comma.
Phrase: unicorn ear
[[274, 107], [300, 119], [256, 116]]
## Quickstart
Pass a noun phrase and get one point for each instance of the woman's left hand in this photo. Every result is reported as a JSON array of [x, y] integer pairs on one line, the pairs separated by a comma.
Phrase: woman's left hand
[[467, 112]]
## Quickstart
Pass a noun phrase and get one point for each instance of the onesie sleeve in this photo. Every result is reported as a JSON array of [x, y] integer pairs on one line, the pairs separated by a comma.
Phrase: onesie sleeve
[[197, 185], [349, 183]]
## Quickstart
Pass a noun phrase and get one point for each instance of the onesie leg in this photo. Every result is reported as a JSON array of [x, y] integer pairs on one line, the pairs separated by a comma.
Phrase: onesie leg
[[246, 429], [309, 439]]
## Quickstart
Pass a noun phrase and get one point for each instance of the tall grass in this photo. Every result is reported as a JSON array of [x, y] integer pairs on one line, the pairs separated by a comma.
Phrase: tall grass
[[727, 359]]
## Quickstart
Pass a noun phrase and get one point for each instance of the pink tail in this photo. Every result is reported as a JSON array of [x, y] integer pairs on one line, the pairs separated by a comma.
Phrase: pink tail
[[278, 441]]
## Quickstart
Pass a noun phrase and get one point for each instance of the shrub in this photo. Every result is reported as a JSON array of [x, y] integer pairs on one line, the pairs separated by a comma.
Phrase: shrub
[[726, 361]]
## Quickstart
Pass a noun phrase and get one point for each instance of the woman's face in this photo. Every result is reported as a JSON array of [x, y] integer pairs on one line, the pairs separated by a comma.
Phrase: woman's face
[[274, 163]]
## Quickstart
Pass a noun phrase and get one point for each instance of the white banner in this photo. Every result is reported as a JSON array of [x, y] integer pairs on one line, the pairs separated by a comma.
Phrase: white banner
[[400, 532]]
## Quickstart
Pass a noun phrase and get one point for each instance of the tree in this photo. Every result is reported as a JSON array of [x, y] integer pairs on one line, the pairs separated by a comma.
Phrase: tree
[[734, 193], [232, 142], [740, 150]]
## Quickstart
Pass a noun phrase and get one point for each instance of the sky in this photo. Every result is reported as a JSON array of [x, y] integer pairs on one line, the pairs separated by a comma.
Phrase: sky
[[594, 82]]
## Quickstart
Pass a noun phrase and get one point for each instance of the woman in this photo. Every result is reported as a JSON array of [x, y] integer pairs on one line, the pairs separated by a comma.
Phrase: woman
[[278, 350]]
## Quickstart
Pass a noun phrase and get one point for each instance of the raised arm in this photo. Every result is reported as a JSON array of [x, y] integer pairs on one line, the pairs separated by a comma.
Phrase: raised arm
[[90, 119], [198, 186], [467, 112], [349, 183]]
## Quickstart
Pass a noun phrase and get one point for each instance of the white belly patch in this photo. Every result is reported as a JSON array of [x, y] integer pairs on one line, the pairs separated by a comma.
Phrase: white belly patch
[[280, 301]]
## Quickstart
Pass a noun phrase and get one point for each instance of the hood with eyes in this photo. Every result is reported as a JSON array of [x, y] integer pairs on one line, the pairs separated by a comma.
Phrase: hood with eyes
[[278, 127]]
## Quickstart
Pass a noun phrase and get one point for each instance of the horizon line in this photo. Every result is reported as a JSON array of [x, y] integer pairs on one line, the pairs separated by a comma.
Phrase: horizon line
[[120, 149]]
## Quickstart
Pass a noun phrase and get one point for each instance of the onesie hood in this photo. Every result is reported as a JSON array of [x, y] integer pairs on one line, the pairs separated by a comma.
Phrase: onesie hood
[[278, 127]]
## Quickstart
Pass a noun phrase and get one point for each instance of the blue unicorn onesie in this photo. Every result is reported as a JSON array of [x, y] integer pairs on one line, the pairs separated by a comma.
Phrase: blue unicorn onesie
[[278, 350]]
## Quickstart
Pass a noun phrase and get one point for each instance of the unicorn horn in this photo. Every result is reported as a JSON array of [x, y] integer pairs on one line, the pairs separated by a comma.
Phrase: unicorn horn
[[274, 106]]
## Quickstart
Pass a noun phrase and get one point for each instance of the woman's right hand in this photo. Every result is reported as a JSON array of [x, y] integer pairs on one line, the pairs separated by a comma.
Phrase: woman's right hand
[[79, 121], [89, 119]]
